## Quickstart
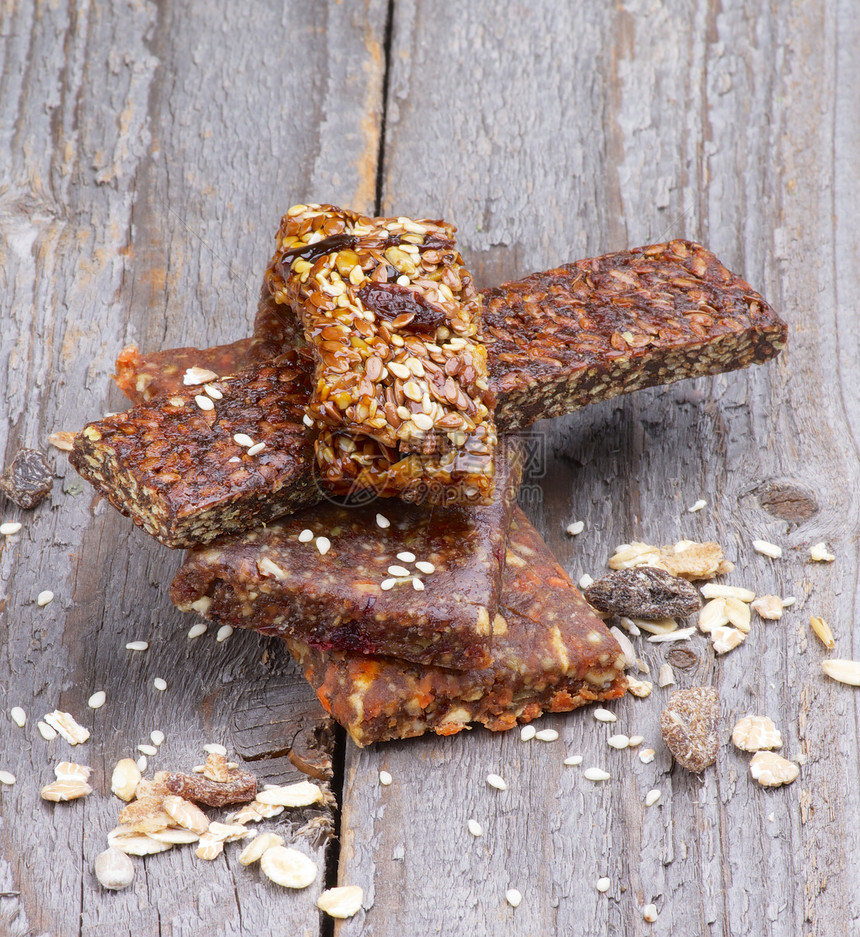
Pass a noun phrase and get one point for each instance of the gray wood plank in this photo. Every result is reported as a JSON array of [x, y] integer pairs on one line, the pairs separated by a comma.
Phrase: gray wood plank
[[149, 151], [549, 132]]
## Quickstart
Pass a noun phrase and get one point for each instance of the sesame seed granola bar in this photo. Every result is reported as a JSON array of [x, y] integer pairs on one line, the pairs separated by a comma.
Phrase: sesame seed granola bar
[[392, 316], [414, 583], [552, 654]]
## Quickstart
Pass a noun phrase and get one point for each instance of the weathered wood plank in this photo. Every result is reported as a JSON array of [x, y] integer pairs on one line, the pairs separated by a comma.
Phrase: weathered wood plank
[[150, 150], [569, 132]]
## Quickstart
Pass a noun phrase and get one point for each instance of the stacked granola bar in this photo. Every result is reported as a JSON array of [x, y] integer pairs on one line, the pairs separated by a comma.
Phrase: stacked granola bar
[[376, 369]]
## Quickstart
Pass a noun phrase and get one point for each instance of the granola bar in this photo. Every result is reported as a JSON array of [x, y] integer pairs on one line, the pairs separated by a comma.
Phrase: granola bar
[[552, 654], [391, 315], [418, 584], [609, 325], [206, 460]]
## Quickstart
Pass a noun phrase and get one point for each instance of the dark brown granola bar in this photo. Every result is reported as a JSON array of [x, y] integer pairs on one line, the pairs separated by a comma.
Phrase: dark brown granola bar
[[552, 654], [207, 460], [609, 325], [386, 578]]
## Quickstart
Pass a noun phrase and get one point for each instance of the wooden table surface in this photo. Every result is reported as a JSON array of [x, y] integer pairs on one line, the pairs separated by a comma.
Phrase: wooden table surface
[[148, 152]]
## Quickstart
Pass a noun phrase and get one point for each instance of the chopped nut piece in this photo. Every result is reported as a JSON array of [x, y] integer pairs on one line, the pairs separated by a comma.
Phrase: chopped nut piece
[[688, 725], [125, 779], [666, 676], [114, 870], [845, 671], [643, 592], [258, 845], [28, 479], [772, 770], [65, 725], [714, 590], [288, 867], [756, 733], [66, 789], [62, 440], [725, 639], [822, 631], [626, 646], [341, 902], [768, 606], [646, 756], [738, 614], [185, 814], [819, 553], [302, 794], [640, 688], [767, 549]]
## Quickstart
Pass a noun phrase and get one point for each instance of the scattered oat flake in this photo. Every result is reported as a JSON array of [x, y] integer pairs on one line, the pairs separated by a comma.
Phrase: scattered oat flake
[[137, 645], [646, 756], [65, 789], [223, 633], [756, 733], [772, 770], [649, 912], [766, 548], [769, 607], [66, 725], [844, 671], [604, 715], [738, 614], [819, 553], [697, 506], [596, 774], [385, 778], [713, 615], [135, 844], [125, 778], [682, 634], [18, 716], [496, 781], [62, 440], [97, 700], [575, 528], [323, 544], [822, 631], [527, 733], [341, 902], [475, 828], [688, 725], [572, 760], [546, 735], [160, 684], [196, 630], [725, 639], [44, 598], [7, 778], [72, 771], [618, 741], [513, 897], [288, 867], [301, 794], [10, 528], [260, 844], [602, 885]]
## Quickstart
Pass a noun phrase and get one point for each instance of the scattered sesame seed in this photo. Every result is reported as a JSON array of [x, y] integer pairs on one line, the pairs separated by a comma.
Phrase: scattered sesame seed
[[424, 567], [596, 774], [585, 581], [323, 545], [572, 760], [6, 777], [818, 552], [788, 601], [257, 448], [513, 897], [147, 749], [494, 780], [649, 912], [382, 521], [387, 584], [197, 375], [47, 732], [701, 503], [398, 571], [475, 828], [604, 715], [44, 598], [137, 645], [205, 403], [18, 716], [406, 557], [652, 797], [527, 733], [223, 633], [602, 885], [196, 630], [385, 778], [243, 439], [646, 756], [308, 421], [215, 748], [618, 741], [156, 737], [234, 458], [10, 527], [97, 700], [159, 684], [575, 528], [767, 549], [635, 741], [306, 536], [546, 735], [213, 392], [141, 763]]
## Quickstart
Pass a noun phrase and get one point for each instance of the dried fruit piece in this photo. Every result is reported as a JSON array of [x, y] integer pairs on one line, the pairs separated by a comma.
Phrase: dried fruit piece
[[66, 789], [302, 794], [66, 725], [341, 902], [643, 592], [845, 671], [114, 870], [822, 631], [240, 786], [28, 479], [258, 845], [768, 606], [772, 770], [288, 867], [756, 733], [689, 727], [725, 639]]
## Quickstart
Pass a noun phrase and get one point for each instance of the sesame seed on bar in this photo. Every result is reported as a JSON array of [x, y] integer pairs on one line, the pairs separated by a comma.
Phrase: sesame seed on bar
[[205, 403]]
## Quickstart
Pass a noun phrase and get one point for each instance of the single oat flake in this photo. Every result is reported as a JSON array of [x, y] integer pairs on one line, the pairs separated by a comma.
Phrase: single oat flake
[[756, 733], [769, 607], [288, 867], [772, 770], [342, 902]]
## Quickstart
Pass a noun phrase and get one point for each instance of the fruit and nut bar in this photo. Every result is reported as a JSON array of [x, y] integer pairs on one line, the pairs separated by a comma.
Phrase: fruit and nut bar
[[385, 578], [207, 459], [552, 654], [391, 315], [597, 328]]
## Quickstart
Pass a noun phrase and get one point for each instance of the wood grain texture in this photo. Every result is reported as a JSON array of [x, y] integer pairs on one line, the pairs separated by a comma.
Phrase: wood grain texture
[[149, 151], [571, 132]]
